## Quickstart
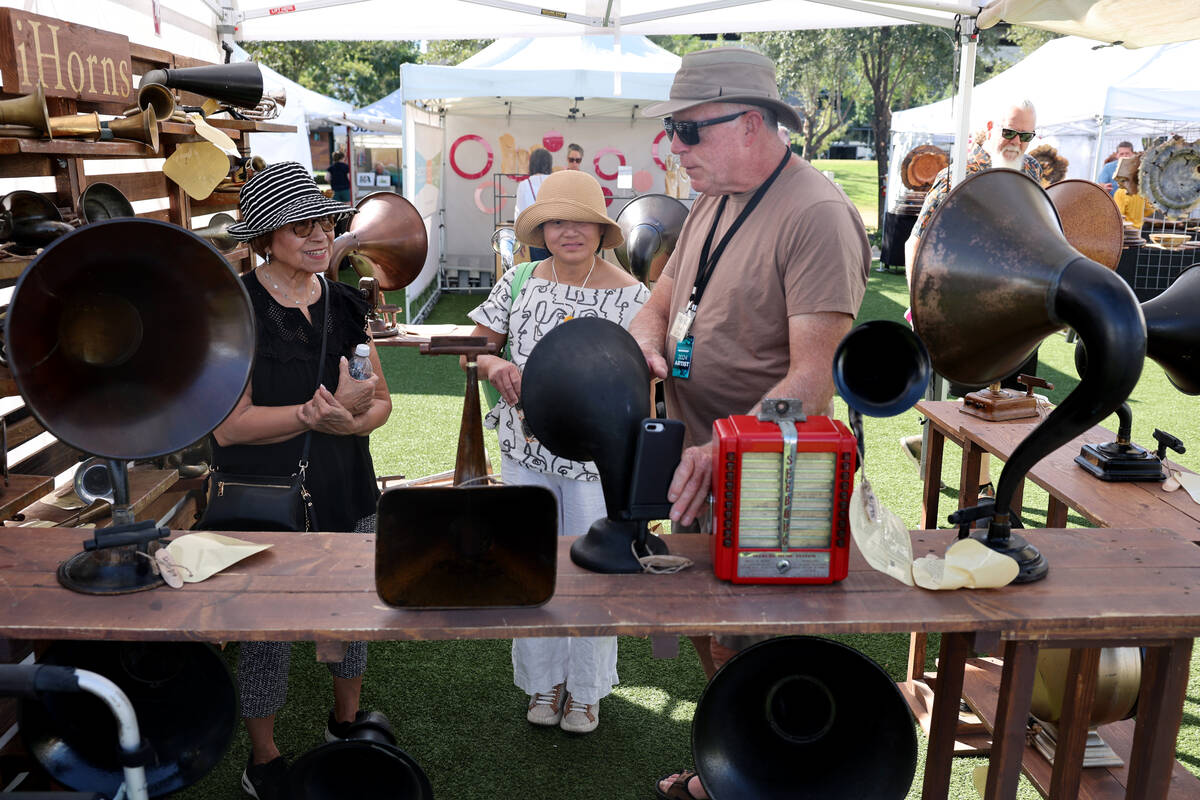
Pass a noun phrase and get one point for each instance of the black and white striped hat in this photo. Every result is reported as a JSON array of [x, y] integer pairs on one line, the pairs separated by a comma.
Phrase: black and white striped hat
[[280, 194]]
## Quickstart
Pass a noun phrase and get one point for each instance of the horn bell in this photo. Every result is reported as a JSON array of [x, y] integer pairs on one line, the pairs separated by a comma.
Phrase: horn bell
[[1090, 220], [141, 127], [387, 231], [36, 222], [651, 225], [29, 111], [238, 84], [104, 201], [881, 368], [1173, 331], [94, 344], [799, 708], [216, 232]]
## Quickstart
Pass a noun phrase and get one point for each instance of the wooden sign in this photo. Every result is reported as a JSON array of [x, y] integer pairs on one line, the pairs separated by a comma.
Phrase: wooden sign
[[69, 60]]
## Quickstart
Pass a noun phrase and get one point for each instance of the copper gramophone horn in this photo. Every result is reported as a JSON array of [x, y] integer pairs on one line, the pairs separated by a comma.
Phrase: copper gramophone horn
[[29, 111], [389, 233], [36, 222], [589, 410], [651, 225], [1090, 220], [103, 201], [141, 127], [802, 706], [238, 84], [993, 276]]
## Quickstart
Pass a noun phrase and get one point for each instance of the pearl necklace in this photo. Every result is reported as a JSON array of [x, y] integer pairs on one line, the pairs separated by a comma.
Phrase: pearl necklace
[[312, 287], [583, 285]]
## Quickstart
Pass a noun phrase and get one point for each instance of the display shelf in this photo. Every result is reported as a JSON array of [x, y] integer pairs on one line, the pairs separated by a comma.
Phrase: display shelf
[[123, 148]]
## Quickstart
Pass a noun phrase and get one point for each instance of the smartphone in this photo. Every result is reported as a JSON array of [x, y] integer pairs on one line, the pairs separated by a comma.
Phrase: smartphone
[[656, 455]]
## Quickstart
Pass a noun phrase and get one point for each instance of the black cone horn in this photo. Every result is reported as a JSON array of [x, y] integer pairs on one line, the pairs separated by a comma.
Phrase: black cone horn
[[104, 201], [185, 702], [238, 84], [799, 716], [584, 391], [1173, 331], [881, 368], [379, 770], [651, 225], [993, 276]]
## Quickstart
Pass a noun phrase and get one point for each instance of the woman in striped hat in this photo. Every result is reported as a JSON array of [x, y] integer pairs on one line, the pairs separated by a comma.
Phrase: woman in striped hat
[[289, 223]]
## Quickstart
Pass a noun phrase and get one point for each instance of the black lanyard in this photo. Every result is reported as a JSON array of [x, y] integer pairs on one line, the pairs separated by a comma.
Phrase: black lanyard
[[708, 265]]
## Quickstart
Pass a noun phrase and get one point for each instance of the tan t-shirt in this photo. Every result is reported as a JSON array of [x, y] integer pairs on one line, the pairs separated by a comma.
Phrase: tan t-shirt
[[802, 250]]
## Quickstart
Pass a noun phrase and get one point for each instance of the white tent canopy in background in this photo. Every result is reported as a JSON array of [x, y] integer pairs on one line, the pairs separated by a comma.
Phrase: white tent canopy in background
[[1088, 98]]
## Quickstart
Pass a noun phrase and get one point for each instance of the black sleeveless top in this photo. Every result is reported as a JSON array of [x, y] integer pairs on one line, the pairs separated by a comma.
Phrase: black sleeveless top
[[341, 477]]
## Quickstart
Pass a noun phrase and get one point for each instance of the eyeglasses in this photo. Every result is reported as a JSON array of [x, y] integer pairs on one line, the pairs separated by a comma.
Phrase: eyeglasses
[[304, 229], [1025, 136], [689, 131], [574, 160]]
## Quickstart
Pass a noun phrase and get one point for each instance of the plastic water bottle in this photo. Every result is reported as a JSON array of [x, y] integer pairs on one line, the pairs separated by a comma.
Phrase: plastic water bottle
[[360, 365]]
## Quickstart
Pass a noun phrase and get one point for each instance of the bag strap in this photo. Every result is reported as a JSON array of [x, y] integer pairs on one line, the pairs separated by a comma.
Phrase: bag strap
[[320, 370], [522, 273]]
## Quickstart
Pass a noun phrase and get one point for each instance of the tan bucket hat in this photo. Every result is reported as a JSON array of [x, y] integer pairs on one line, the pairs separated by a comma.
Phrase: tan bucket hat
[[572, 195], [725, 75]]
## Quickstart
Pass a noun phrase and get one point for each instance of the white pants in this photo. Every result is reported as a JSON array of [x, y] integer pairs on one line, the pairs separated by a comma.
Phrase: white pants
[[588, 664]]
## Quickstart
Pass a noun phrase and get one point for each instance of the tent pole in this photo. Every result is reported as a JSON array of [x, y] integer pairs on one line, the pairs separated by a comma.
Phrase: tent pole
[[968, 39], [1096, 156]]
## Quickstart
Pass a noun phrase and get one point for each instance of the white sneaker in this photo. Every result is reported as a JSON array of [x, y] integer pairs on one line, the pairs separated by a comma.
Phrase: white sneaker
[[580, 717], [546, 708]]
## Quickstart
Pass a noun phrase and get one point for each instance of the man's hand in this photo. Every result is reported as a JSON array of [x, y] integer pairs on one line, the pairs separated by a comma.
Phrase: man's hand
[[324, 414], [1107, 187], [505, 376], [354, 395], [689, 488], [655, 361]]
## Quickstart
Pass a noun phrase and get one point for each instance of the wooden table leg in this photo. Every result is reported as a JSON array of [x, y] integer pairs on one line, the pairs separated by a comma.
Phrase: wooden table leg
[[1073, 724], [1160, 711], [1012, 711], [916, 656], [1056, 513], [943, 726], [933, 478], [968, 478]]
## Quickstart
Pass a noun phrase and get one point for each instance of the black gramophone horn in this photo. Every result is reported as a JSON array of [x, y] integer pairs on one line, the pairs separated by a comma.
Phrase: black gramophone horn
[[104, 201], [238, 84], [651, 225], [1173, 331], [380, 770], [993, 276], [585, 389], [881, 368], [798, 711], [36, 222], [185, 702]]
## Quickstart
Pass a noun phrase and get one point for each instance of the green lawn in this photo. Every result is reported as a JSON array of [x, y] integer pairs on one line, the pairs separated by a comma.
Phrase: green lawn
[[860, 182]]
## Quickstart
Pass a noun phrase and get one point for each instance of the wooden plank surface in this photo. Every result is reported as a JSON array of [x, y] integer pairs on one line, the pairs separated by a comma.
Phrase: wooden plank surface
[[1115, 584], [65, 147], [21, 491], [145, 486], [981, 688]]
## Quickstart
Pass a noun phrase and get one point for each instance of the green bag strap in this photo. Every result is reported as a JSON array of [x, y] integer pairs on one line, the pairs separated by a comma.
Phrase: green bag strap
[[522, 273]]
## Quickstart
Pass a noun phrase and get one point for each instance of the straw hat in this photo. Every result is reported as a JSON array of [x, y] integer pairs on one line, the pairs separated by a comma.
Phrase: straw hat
[[570, 195], [725, 75], [280, 194]]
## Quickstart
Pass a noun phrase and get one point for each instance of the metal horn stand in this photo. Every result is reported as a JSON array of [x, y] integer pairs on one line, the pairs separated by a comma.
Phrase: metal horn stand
[[117, 559], [1123, 460]]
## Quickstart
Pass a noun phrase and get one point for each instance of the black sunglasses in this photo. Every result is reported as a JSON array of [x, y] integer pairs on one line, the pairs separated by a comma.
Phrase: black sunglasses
[[1025, 136], [689, 132]]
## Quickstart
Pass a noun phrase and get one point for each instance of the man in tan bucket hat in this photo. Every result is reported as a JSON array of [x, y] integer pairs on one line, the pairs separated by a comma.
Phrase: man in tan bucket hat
[[767, 277]]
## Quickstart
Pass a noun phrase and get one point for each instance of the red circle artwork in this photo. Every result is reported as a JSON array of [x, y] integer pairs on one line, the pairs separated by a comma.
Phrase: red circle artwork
[[654, 151], [604, 151], [552, 141], [470, 137]]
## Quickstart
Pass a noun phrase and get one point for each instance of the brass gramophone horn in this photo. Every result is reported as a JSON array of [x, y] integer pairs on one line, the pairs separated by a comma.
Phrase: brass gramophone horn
[[389, 233], [141, 127], [238, 84], [802, 706], [217, 232], [36, 222], [103, 201], [651, 225], [185, 702], [1090, 220], [590, 410], [29, 111], [1173, 331], [993, 276], [156, 96], [76, 126]]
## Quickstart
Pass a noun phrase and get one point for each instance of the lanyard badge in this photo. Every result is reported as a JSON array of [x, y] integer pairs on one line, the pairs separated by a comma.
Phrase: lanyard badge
[[683, 323], [681, 365]]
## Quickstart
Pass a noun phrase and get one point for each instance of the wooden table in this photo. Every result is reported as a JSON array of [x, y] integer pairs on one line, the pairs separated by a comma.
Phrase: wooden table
[[1119, 587], [1106, 504]]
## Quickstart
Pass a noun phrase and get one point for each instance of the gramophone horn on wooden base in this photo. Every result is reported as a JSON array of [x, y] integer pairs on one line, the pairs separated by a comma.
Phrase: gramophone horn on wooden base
[[651, 225], [993, 276], [799, 716], [589, 409], [386, 241], [126, 353]]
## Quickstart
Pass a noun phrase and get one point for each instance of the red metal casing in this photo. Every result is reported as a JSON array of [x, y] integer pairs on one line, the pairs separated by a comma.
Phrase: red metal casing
[[820, 551]]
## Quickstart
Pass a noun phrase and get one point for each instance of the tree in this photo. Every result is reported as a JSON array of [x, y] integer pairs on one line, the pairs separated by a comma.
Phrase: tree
[[817, 73], [1029, 39], [450, 52], [358, 72], [680, 44]]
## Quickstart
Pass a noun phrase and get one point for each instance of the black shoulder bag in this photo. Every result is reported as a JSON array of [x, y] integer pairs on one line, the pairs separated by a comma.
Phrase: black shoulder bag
[[265, 502]]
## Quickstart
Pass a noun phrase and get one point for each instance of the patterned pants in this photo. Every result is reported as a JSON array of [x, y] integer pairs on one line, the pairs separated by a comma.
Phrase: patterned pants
[[262, 668]]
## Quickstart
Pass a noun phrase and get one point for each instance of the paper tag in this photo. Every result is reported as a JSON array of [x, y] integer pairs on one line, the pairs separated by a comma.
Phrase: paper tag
[[168, 569], [682, 324], [880, 535]]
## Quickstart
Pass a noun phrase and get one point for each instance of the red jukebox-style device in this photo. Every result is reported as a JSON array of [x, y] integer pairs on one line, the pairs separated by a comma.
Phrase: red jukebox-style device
[[781, 496]]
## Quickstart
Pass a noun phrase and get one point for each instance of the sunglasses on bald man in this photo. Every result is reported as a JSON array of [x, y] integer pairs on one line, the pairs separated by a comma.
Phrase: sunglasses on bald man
[[689, 131], [1024, 136]]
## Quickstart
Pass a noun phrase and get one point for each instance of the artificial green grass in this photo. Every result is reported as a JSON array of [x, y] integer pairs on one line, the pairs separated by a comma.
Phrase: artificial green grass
[[454, 705], [860, 182]]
